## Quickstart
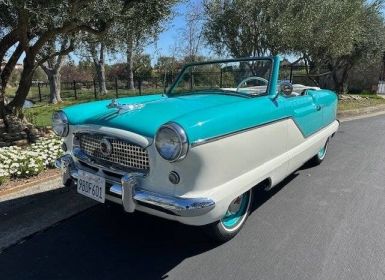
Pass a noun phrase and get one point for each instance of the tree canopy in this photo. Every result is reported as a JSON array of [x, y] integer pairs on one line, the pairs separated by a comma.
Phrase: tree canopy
[[325, 33]]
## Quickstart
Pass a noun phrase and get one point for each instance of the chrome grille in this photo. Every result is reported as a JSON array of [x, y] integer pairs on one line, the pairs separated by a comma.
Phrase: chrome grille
[[124, 154]]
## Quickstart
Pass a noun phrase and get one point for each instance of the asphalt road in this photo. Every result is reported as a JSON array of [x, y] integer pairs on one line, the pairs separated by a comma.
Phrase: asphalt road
[[326, 222]]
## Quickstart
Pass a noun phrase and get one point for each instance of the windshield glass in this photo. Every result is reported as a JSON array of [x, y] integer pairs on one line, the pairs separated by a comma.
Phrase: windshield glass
[[246, 77]]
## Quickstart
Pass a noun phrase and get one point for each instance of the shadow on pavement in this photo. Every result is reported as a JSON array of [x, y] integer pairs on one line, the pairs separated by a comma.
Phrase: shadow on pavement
[[103, 242]]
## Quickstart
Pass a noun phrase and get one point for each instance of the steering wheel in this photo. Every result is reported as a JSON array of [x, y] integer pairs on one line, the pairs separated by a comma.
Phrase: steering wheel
[[250, 79]]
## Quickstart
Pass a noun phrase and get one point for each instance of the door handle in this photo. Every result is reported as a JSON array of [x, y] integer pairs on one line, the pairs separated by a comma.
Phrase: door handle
[[318, 107]]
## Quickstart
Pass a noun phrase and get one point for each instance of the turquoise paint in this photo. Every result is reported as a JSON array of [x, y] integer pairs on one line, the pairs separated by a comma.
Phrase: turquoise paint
[[231, 220], [322, 152], [232, 117], [209, 115], [275, 76], [157, 110]]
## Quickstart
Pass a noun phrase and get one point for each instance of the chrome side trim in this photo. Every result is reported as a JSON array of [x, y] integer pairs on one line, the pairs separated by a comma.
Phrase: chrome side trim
[[216, 138]]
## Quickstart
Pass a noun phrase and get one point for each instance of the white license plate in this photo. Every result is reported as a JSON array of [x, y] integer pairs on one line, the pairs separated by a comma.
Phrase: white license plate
[[92, 186]]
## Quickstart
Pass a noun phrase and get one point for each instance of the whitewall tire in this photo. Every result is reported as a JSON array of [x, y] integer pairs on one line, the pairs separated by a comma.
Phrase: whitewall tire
[[234, 219]]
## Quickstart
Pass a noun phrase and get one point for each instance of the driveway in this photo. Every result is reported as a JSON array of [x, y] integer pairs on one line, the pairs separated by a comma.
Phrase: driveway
[[326, 222]]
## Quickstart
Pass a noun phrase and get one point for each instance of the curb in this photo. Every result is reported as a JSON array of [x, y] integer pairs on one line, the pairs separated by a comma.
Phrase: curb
[[11, 190], [361, 113]]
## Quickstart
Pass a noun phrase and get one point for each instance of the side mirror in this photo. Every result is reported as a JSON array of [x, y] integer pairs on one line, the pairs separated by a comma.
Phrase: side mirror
[[286, 88]]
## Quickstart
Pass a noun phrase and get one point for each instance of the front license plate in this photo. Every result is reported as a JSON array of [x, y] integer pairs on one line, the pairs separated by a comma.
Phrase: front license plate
[[92, 186]]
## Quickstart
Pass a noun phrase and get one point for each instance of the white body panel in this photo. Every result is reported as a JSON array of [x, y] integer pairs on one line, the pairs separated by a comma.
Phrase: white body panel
[[225, 168]]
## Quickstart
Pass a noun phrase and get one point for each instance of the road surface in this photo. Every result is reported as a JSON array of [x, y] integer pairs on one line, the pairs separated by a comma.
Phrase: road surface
[[324, 223]]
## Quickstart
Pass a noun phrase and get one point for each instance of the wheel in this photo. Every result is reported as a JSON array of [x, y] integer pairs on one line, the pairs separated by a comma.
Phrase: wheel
[[233, 221], [320, 156]]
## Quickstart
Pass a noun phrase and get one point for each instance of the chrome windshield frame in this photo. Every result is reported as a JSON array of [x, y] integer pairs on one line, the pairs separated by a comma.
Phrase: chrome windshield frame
[[169, 93]]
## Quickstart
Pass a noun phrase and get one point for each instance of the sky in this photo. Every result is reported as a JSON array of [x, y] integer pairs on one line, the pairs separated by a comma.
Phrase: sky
[[169, 37], [166, 40]]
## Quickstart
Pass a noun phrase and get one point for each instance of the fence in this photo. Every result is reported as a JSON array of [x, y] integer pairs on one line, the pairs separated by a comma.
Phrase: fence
[[88, 90], [81, 90]]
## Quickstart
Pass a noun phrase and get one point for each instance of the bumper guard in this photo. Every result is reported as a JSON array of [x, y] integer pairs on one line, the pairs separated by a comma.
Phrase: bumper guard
[[131, 193]]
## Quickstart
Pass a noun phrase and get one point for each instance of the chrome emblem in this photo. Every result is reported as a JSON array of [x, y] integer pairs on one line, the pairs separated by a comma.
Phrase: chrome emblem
[[105, 147], [124, 107]]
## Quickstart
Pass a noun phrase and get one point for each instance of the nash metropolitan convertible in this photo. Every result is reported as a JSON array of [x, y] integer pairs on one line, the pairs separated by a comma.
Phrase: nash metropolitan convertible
[[195, 153]]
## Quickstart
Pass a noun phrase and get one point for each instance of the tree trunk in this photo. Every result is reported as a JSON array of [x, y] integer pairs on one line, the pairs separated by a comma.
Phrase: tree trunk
[[54, 80], [5, 74], [17, 103], [340, 77], [130, 64], [101, 76], [52, 70], [2, 106], [99, 67]]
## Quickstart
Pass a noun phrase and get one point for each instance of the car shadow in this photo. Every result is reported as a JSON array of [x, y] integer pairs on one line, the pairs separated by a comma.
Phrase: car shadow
[[103, 242], [261, 196]]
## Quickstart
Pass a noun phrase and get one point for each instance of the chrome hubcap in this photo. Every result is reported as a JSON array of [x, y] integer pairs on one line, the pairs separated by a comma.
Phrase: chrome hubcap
[[234, 206], [322, 152], [236, 213]]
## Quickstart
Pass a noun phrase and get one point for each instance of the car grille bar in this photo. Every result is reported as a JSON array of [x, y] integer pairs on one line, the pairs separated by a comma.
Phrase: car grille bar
[[123, 155]]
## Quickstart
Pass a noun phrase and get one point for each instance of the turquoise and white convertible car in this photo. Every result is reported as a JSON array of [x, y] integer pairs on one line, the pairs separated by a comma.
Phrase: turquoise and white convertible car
[[195, 153]]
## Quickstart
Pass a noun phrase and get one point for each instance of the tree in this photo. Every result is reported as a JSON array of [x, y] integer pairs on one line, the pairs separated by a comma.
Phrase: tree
[[52, 68], [137, 31], [369, 46], [33, 24], [342, 32], [142, 66], [97, 51], [328, 33], [83, 71], [245, 27], [168, 64], [192, 34]]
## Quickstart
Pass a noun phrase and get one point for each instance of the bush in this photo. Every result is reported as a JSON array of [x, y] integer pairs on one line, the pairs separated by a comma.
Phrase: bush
[[17, 162]]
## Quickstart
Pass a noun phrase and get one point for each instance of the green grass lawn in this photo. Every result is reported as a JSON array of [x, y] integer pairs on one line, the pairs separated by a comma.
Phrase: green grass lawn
[[372, 100]]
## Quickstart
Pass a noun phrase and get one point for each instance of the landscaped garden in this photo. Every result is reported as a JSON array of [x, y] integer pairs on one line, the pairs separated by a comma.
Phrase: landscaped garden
[[23, 162]]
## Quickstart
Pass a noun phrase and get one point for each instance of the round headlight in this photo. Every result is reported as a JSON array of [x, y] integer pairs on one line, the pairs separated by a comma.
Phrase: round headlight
[[171, 142], [60, 124]]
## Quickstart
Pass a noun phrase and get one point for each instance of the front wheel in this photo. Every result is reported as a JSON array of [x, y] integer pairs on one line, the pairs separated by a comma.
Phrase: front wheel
[[234, 219]]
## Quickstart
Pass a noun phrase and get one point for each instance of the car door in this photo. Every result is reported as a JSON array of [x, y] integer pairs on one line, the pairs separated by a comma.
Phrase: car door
[[306, 113]]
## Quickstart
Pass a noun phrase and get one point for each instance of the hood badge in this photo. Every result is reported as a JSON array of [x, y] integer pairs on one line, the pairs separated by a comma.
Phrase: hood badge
[[123, 107]]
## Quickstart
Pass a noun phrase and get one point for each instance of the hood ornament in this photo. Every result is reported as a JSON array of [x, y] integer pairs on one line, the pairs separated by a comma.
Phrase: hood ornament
[[123, 107]]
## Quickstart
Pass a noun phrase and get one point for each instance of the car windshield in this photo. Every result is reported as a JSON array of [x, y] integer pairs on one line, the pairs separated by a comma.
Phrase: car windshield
[[246, 77]]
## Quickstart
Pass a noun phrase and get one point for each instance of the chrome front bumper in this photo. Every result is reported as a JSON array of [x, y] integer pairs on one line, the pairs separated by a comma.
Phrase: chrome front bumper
[[131, 194]]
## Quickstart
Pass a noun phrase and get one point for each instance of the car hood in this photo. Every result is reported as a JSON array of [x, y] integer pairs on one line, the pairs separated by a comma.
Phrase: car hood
[[150, 112]]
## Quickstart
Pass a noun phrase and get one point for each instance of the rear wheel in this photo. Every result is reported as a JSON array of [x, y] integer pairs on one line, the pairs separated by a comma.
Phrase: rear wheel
[[234, 219], [320, 156]]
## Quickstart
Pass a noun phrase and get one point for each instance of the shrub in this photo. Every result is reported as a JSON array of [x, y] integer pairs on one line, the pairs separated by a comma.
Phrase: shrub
[[19, 162]]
